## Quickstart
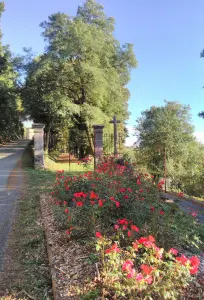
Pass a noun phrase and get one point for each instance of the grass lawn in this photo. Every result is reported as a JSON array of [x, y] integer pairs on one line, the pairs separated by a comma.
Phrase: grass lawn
[[72, 167]]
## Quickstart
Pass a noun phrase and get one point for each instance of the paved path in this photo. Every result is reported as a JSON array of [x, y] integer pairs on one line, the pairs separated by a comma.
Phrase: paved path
[[189, 205], [9, 191]]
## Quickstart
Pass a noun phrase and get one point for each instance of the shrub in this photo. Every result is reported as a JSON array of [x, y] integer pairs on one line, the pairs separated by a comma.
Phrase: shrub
[[143, 270], [95, 200]]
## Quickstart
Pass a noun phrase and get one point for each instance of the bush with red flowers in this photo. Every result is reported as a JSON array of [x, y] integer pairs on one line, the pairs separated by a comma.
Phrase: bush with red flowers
[[96, 200], [125, 206], [142, 270]]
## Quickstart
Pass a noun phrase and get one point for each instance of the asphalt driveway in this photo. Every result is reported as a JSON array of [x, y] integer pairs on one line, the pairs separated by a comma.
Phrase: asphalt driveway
[[9, 191]]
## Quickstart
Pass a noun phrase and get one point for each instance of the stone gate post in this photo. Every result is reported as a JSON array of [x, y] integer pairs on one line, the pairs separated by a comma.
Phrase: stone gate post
[[98, 143], [38, 145]]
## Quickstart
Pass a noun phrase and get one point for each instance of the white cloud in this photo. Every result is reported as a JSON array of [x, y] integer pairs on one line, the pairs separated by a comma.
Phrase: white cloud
[[200, 136]]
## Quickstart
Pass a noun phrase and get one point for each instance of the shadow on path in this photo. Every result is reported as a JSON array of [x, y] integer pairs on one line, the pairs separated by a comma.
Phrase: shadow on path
[[11, 176]]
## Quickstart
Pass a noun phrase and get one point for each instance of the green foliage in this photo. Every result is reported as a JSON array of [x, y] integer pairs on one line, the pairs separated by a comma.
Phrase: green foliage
[[167, 127], [82, 75], [10, 103]]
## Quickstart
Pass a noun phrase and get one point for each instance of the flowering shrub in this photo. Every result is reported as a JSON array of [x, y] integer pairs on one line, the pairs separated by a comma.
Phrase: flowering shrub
[[143, 270], [96, 200], [125, 206]]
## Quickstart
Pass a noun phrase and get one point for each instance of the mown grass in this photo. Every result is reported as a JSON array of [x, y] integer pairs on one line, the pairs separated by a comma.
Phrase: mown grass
[[72, 167]]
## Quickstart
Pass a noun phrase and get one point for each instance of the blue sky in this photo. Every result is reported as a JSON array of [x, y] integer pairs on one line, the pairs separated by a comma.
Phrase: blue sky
[[168, 36]]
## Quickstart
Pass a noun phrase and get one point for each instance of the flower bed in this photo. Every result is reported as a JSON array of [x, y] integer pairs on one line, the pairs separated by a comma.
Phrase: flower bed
[[117, 215]]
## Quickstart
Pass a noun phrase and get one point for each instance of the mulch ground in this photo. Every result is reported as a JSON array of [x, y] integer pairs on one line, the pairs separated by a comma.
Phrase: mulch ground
[[70, 270]]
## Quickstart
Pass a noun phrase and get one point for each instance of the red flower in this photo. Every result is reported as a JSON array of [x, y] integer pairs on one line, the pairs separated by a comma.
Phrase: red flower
[[124, 227], [146, 269], [161, 212], [122, 190], [100, 202], [92, 202], [194, 261], [194, 214], [80, 195], [66, 211], [126, 196], [66, 188], [149, 279], [147, 241], [116, 227], [140, 190], [135, 245], [127, 265], [193, 270], [117, 203], [182, 259], [98, 235], [135, 228], [151, 238], [180, 194], [79, 203], [152, 208], [93, 195], [114, 248], [139, 277], [131, 274], [173, 251], [68, 232], [138, 182], [129, 190], [112, 199], [123, 221], [129, 233], [142, 240]]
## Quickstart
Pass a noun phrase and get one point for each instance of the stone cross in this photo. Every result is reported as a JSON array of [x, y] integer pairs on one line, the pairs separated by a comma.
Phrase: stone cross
[[38, 145], [115, 122]]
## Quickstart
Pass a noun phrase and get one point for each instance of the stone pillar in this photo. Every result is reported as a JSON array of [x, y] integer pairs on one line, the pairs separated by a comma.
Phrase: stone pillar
[[98, 143], [38, 145], [29, 133]]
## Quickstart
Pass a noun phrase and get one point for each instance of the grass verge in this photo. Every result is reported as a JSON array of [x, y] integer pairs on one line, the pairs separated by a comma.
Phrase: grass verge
[[26, 257]]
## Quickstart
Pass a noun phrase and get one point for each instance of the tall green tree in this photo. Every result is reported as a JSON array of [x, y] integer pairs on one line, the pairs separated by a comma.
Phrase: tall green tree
[[10, 102], [87, 70], [163, 133]]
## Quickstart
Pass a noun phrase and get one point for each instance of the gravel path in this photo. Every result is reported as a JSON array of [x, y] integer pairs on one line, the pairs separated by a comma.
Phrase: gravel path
[[10, 183]]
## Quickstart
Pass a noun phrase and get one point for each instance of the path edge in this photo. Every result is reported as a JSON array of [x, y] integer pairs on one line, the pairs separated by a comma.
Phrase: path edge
[[48, 247]]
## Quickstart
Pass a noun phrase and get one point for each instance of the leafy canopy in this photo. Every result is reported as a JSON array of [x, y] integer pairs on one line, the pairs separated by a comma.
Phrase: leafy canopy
[[84, 71]]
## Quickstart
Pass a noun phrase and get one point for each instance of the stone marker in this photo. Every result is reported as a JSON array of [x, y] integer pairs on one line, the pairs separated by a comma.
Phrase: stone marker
[[38, 145], [98, 143]]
